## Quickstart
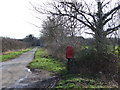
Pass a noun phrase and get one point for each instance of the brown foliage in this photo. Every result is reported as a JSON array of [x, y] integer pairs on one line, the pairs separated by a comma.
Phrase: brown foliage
[[12, 44]]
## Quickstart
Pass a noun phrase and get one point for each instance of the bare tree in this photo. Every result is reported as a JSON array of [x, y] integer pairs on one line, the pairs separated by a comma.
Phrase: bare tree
[[101, 20], [53, 31], [98, 18]]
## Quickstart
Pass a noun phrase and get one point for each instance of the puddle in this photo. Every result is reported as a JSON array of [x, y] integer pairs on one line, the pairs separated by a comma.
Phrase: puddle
[[35, 79], [22, 79], [20, 83]]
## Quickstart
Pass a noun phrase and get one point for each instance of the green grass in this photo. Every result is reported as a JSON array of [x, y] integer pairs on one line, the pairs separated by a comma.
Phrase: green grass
[[43, 61], [12, 55], [117, 48], [69, 81], [72, 81]]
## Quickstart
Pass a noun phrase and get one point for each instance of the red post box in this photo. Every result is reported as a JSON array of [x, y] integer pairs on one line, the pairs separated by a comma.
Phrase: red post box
[[69, 52], [69, 56]]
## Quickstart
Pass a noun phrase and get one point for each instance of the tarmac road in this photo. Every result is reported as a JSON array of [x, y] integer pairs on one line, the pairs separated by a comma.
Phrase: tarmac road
[[15, 69]]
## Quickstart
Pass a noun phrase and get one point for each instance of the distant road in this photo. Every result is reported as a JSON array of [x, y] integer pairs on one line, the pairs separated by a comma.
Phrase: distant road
[[15, 69]]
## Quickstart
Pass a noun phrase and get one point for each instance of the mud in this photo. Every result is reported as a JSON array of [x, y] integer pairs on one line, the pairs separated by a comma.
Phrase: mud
[[15, 69], [15, 74], [37, 79]]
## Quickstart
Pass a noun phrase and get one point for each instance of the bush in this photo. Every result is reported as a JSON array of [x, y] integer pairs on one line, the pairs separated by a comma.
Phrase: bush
[[88, 62], [58, 51]]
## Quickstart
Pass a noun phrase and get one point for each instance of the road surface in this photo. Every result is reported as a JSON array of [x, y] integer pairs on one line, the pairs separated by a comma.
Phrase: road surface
[[12, 71]]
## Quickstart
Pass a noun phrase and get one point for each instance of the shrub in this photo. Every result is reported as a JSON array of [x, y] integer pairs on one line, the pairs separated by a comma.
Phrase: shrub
[[88, 62]]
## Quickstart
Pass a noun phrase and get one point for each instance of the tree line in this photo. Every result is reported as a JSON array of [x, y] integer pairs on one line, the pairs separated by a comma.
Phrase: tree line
[[9, 44], [13, 44]]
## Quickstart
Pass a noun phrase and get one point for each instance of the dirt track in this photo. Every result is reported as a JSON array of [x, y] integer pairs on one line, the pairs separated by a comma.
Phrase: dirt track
[[12, 71]]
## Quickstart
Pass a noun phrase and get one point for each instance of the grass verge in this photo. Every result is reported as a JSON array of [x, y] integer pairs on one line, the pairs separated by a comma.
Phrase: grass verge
[[43, 61], [12, 55], [72, 81], [68, 81]]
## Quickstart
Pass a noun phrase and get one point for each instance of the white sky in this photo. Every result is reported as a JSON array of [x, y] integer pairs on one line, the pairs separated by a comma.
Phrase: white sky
[[14, 18]]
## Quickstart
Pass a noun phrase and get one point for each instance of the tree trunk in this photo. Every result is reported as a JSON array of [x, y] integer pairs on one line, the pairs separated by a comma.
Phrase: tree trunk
[[100, 37], [101, 44]]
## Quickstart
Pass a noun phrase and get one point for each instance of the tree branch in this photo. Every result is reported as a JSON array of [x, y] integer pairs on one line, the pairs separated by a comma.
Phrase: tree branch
[[35, 25], [74, 7], [110, 30], [82, 13], [106, 4], [112, 11], [90, 33], [83, 22], [109, 18]]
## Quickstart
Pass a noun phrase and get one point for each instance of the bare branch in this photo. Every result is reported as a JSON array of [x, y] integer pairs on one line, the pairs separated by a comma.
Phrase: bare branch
[[109, 18], [90, 14], [83, 22], [90, 33], [34, 25], [80, 12], [39, 9], [106, 4], [110, 30], [110, 12]]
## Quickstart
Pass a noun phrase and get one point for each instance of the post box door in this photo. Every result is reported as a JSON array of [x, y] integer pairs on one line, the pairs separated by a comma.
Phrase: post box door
[[69, 52]]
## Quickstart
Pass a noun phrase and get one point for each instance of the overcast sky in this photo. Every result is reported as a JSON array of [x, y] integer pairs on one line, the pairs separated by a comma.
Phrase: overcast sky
[[15, 19], [16, 16]]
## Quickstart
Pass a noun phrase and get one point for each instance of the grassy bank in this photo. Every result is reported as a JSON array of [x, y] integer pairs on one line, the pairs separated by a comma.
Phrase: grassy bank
[[69, 81], [43, 61], [12, 55], [72, 81]]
